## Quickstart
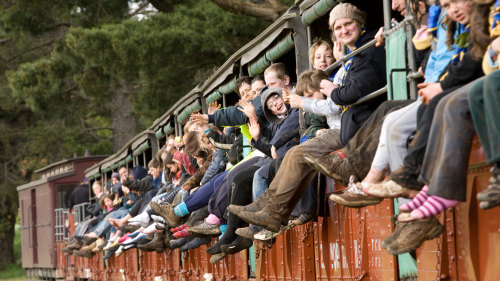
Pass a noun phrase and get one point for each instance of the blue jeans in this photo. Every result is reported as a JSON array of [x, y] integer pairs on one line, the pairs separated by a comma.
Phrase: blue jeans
[[104, 226], [259, 184]]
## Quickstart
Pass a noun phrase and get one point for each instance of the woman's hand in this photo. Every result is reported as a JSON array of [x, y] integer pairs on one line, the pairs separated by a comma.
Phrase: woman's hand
[[213, 107], [247, 108]]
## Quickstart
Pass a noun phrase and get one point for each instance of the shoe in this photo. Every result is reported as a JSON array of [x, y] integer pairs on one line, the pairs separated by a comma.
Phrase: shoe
[[67, 250], [129, 228], [109, 253], [112, 245], [195, 243], [119, 251], [235, 209], [405, 217], [333, 166], [76, 244], [262, 218], [265, 234], [158, 219], [152, 228], [248, 232], [142, 219], [205, 229], [354, 197], [217, 258], [389, 189], [134, 240], [124, 238], [300, 220], [154, 245], [83, 253], [166, 211], [394, 235], [177, 243], [89, 247], [407, 177], [413, 234], [491, 195], [239, 244], [99, 245]]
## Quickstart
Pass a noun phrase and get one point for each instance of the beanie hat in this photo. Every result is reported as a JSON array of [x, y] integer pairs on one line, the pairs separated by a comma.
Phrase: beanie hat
[[115, 175], [346, 10], [139, 172], [267, 112]]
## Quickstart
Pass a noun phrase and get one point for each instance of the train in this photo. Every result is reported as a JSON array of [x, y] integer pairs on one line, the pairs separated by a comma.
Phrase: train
[[340, 244]]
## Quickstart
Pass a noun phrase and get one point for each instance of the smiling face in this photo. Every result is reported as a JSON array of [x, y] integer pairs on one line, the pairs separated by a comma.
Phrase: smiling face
[[273, 81], [323, 57], [257, 86], [399, 6], [246, 92], [347, 31], [458, 11], [276, 105]]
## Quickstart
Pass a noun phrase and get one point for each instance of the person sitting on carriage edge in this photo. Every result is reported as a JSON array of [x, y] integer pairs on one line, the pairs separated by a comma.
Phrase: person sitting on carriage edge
[[364, 74]]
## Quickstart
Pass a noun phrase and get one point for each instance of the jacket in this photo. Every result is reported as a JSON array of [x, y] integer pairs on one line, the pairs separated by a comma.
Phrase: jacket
[[325, 108], [366, 74], [231, 116]]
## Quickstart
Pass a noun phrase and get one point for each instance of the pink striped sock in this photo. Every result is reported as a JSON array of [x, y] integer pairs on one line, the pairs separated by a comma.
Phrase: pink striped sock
[[433, 206], [213, 219], [416, 202]]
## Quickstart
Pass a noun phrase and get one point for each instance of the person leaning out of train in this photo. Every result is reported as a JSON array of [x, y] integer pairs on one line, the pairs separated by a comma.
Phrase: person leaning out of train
[[364, 74]]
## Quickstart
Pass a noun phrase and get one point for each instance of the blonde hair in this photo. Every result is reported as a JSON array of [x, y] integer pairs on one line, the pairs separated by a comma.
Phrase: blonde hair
[[318, 42]]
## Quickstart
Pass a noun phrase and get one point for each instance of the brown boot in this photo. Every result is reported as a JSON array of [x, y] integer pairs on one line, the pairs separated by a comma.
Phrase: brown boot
[[413, 234], [166, 211], [263, 218], [333, 166], [255, 206], [157, 244]]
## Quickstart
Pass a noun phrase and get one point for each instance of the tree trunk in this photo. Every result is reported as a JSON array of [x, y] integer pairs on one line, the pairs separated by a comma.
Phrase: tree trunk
[[123, 120]]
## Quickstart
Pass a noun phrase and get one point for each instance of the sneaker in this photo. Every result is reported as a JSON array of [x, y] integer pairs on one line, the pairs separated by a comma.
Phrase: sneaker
[[247, 232], [195, 243], [491, 195], [205, 229], [177, 243], [333, 166], [413, 234], [166, 211], [265, 235], [354, 197], [389, 189], [262, 218], [129, 228], [217, 258], [239, 244]]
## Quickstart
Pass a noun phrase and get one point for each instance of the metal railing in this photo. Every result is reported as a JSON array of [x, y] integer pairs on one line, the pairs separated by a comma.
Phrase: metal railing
[[61, 232], [79, 212]]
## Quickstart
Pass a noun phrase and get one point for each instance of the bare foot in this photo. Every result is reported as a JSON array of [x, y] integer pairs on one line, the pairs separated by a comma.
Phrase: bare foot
[[91, 235]]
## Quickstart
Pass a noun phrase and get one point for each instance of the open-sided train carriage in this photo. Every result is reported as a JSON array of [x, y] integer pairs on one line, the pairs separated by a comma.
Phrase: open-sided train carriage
[[342, 243]]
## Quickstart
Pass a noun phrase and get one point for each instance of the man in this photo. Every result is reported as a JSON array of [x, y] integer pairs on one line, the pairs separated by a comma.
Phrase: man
[[273, 208], [244, 88]]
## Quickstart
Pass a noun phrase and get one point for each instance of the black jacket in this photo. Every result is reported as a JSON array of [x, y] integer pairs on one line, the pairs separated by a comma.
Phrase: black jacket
[[232, 116], [142, 185], [366, 74], [79, 195]]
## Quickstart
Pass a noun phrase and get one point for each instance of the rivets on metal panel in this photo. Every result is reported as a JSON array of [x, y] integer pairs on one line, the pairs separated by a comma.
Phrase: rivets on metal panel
[[443, 276]]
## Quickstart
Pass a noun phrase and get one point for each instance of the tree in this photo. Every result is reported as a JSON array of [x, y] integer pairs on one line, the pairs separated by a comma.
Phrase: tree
[[89, 75]]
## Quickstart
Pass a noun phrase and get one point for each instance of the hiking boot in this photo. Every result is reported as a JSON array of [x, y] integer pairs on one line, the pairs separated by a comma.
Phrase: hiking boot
[[333, 166], [239, 244], [83, 253], [389, 189], [99, 245], [247, 232], [110, 252], [89, 247], [491, 195], [195, 243], [255, 206], [156, 244], [67, 250], [166, 211], [265, 235], [204, 229], [263, 218], [394, 235], [413, 234], [353, 196], [217, 258]]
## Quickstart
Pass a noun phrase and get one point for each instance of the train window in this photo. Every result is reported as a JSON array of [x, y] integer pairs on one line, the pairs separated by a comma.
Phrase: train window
[[63, 193]]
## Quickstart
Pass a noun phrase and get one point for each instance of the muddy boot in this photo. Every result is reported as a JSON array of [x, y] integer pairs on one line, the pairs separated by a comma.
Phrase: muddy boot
[[166, 211], [256, 206], [414, 233], [334, 166], [157, 244]]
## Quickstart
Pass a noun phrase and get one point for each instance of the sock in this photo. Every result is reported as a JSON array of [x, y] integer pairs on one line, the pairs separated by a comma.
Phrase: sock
[[222, 228], [433, 206], [179, 228], [417, 201], [181, 233], [212, 219], [181, 210]]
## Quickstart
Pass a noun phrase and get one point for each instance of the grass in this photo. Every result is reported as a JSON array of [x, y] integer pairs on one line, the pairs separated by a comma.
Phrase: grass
[[14, 271]]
